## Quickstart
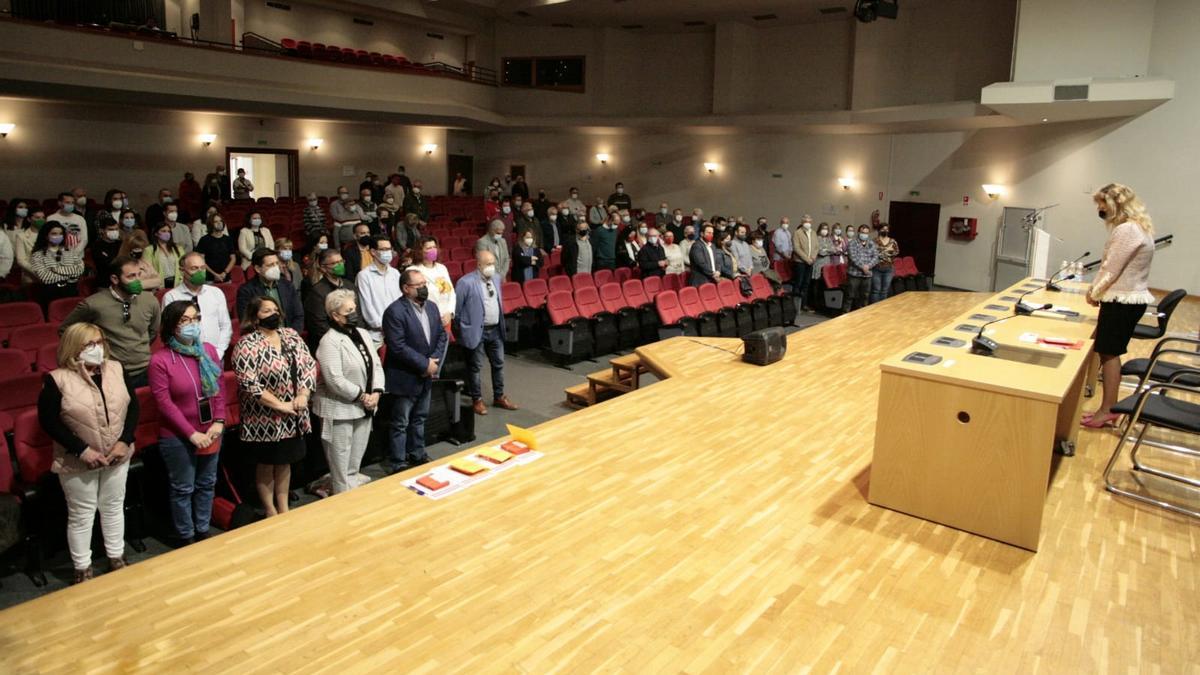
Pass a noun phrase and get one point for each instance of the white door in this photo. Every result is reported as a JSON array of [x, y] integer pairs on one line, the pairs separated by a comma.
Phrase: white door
[[1011, 261]]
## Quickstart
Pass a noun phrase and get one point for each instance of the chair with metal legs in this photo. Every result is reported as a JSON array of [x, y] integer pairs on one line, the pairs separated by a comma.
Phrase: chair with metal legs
[[1159, 405], [1162, 370]]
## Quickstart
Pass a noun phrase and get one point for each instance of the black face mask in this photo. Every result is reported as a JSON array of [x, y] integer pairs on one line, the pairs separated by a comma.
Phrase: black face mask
[[364, 241], [136, 255], [270, 322], [351, 321], [1103, 214], [883, 233], [583, 233], [422, 294]]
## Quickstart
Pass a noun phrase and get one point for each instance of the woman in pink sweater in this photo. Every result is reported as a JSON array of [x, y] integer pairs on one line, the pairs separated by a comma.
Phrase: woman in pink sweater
[[187, 382], [1121, 288]]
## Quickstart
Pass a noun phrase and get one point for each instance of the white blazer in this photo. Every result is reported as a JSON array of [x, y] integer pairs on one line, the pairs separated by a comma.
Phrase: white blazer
[[343, 376], [245, 243]]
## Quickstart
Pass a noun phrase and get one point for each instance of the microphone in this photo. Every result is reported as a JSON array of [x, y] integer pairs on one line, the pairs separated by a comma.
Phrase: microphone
[[1050, 285], [985, 346]]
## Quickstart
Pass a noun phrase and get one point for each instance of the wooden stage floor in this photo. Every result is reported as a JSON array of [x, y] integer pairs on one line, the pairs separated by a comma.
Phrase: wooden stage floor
[[713, 522]]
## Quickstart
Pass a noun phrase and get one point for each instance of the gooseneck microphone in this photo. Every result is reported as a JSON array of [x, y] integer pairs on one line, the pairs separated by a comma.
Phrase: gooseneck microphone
[[1051, 286], [985, 346]]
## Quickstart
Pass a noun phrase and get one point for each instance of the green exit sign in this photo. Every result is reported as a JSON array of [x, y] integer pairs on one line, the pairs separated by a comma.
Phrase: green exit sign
[[914, 193]]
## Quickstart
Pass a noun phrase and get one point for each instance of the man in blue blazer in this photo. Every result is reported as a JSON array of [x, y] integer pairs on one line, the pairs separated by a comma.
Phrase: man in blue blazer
[[413, 334], [478, 326]]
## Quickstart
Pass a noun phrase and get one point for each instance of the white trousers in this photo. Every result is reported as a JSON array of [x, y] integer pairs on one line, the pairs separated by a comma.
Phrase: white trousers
[[345, 443], [100, 489]]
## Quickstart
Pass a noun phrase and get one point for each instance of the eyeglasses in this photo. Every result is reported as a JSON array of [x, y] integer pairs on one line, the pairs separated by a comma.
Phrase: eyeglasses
[[183, 320]]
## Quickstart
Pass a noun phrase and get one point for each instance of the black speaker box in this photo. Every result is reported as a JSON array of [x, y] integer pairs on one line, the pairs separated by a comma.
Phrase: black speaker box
[[766, 346]]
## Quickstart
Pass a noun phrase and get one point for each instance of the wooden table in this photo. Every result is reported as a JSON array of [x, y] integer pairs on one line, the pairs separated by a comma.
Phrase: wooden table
[[967, 441], [713, 522]]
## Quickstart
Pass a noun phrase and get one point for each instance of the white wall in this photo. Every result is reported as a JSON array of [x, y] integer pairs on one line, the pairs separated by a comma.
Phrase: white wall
[[801, 68], [334, 27], [142, 150], [933, 53], [1059, 39]]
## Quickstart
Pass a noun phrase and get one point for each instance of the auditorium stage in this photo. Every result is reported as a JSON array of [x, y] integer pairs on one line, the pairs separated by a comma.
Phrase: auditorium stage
[[715, 521]]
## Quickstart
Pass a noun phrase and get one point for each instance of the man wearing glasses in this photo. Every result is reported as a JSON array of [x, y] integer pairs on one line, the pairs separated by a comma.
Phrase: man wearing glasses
[[216, 328], [412, 330], [128, 317], [478, 326]]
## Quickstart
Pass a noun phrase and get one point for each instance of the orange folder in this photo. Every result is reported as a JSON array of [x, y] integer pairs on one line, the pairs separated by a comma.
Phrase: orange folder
[[429, 482], [495, 455], [515, 448], [468, 467]]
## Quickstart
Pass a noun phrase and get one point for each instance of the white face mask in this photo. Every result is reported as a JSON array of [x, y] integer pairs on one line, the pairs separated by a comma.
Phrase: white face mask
[[312, 202], [553, 217], [620, 190], [173, 216], [81, 202], [498, 236], [528, 242], [642, 231], [488, 271], [384, 257], [322, 246], [654, 240], [506, 209], [626, 219], [663, 211], [117, 204], [679, 217], [758, 243], [574, 195], [807, 226], [272, 273], [112, 235], [416, 190], [92, 355]]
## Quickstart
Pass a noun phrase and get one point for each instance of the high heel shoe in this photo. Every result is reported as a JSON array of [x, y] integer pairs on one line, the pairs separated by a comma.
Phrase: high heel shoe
[[1099, 421]]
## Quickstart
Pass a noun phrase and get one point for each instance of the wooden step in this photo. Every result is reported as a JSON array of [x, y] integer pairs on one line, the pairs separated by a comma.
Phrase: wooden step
[[608, 380], [579, 395], [628, 370]]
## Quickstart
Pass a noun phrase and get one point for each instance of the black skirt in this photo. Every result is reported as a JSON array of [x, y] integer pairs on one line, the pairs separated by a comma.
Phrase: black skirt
[[287, 451], [1115, 327]]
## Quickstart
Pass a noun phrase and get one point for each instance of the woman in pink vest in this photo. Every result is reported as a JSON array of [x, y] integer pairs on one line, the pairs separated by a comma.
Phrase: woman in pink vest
[[90, 412]]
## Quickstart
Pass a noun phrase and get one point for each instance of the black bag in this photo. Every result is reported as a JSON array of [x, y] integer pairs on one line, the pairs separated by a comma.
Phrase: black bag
[[746, 287]]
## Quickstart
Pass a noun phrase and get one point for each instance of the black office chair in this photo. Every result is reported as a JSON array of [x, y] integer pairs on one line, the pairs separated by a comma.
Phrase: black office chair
[[1155, 406], [1163, 311], [1163, 370]]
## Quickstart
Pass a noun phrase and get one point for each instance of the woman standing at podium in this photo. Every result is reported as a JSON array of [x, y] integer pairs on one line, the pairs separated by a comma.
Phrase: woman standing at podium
[[1121, 287]]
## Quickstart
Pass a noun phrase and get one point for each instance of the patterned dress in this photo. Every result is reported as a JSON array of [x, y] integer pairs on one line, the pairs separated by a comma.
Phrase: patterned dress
[[274, 438]]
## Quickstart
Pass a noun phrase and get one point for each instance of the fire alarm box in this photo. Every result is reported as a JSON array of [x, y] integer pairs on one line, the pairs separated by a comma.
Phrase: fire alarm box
[[964, 229]]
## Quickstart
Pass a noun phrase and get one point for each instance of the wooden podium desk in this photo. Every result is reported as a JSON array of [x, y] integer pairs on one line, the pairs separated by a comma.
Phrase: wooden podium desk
[[967, 441]]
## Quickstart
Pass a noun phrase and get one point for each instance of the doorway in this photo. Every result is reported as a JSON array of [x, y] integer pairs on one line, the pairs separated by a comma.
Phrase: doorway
[[456, 164], [914, 226], [274, 172], [515, 170]]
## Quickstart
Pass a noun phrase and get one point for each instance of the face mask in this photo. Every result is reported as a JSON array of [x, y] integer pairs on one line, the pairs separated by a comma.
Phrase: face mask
[[883, 233], [642, 231], [422, 294], [218, 227], [663, 211], [339, 269], [164, 236], [173, 216], [22, 212], [285, 255], [529, 214], [189, 333], [506, 209], [864, 236], [620, 190], [808, 226], [112, 235], [583, 232], [344, 196], [198, 277], [708, 237], [92, 355], [688, 234], [136, 255], [55, 239], [488, 271], [837, 232], [129, 223], [1103, 214], [741, 236], [390, 200], [167, 200], [364, 241], [574, 195], [68, 208], [758, 243], [81, 202], [351, 320], [679, 218], [431, 254], [38, 223], [553, 217], [528, 242], [255, 222], [384, 257], [498, 236], [134, 287], [270, 322], [366, 199], [117, 204], [312, 202], [322, 246], [626, 219], [654, 240], [822, 233], [416, 191]]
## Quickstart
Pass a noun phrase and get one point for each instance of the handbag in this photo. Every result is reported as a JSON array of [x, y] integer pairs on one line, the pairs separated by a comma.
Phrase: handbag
[[230, 515]]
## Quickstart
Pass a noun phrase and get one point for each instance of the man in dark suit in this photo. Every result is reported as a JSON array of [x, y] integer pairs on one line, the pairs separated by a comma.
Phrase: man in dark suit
[[705, 266], [415, 202], [652, 259], [333, 270], [413, 333], [267, 281]]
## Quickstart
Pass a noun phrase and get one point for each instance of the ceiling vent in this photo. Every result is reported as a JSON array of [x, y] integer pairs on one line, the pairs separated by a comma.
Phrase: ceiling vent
[[1071, 92]]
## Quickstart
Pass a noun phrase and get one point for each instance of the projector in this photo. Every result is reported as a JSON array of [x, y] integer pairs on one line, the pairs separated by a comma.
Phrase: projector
[[867, 11]]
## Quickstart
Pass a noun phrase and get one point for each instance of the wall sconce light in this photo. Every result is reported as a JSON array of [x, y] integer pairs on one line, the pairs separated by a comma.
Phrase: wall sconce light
[[429, 148], [603, 157], [846, 183], [6, 129], [993, 191], [711, 167], [315, 143], [207, 139]]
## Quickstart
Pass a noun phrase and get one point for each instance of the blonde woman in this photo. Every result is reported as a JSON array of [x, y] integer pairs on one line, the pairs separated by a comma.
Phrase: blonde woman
[[90, 411], [137, 246], [289, 266], [1121, 287]]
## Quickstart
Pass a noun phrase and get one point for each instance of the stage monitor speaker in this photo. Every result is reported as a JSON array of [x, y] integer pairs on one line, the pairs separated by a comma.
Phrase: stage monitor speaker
[[766, 346]]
